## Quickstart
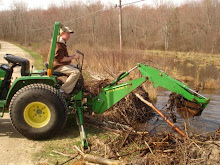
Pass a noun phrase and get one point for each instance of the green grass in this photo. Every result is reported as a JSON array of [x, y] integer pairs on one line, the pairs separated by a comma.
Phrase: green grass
[[64, 143], [38, 60]]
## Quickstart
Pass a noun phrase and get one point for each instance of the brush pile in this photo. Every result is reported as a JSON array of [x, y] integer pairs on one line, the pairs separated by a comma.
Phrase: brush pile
[[161, 148], [127, 111], [185, 108], [137, 148], [169, 149]]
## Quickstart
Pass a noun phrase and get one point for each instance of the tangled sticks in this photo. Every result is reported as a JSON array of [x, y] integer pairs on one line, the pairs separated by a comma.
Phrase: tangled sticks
[[185, 108], [129, 110]]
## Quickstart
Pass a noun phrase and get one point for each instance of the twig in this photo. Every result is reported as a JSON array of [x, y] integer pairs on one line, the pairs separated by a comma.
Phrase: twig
[[197, 145], [169, 150], [124, 117], [79, 151], [124, 139], [60, 153], [148, 147], [116, 132], [206, 142], [142, 133], [154, 128], [202, 134], [185, 128], [118, 124], [105, 151], [161, 114], [129, 153], [70, 159], [96, 159], [155, 143]]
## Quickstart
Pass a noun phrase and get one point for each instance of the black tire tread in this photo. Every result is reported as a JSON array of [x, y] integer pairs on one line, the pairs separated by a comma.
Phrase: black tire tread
[[50, 91]]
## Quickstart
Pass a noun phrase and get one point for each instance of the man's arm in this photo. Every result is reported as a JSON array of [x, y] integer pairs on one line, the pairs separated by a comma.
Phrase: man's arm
[[67, 59]]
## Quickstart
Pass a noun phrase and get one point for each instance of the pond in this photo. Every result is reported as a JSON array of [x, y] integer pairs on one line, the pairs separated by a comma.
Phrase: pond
[[209, 120]]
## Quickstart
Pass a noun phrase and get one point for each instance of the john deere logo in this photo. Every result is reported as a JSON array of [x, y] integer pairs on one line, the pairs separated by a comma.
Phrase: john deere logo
[[116, 89]]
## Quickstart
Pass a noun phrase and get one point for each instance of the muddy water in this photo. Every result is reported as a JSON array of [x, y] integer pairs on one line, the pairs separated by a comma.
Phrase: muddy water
[[209, 121]]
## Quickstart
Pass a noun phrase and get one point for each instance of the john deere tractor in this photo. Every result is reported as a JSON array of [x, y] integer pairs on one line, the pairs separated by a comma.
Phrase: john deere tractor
[[38, 111]]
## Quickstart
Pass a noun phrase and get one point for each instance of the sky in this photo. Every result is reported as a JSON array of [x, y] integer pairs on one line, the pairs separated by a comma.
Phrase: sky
[[6, 4]]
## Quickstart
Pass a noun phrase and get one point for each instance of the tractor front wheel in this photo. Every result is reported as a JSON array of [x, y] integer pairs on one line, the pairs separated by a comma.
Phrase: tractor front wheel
[[38, 111]]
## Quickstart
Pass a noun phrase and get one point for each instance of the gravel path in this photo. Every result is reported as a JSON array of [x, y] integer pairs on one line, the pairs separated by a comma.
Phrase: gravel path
[[14, 148]]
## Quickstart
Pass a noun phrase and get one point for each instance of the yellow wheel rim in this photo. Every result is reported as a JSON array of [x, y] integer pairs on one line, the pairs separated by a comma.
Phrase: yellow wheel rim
[[37, 114]]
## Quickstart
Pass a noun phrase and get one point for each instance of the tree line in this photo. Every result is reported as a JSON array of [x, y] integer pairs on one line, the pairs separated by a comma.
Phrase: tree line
[[193, 26]]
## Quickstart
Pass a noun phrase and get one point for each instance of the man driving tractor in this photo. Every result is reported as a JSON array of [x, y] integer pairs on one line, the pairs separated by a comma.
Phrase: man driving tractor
[[62, 62]]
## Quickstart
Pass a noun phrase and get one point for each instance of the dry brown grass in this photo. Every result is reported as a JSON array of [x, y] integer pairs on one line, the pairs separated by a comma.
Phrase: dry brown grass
[[152, 92], [212, 84], [110, 62]]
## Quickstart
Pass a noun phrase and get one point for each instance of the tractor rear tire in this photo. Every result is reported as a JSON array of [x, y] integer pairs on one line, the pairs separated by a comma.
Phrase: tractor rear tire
[[38, 111]]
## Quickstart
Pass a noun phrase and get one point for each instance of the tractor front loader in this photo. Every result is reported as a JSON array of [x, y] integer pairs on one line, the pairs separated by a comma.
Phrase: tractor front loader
[[38, 111]]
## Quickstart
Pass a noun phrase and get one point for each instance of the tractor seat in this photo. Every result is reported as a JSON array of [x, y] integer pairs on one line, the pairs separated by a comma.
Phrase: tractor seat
[[19, 61], [58, 74]]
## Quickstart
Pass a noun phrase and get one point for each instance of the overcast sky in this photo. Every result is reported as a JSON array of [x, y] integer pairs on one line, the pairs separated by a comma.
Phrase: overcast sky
[[5, 4]]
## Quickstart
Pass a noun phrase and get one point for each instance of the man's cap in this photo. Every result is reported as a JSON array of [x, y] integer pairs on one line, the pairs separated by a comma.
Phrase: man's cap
[[65, 29]]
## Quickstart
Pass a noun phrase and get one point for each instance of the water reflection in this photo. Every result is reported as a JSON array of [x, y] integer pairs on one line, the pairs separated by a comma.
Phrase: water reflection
[[209, 121]]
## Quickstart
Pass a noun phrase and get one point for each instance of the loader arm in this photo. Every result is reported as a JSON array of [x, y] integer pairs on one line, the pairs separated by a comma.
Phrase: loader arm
[[114, 92]]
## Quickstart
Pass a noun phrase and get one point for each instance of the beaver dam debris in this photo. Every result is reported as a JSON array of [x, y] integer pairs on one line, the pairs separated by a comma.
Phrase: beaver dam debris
[[137, 148], [185, 108], [129, 110], [162, 148], [161, 114]]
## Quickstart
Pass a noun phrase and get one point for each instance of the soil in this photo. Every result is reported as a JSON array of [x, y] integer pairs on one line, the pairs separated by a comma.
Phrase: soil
[[14, 148]]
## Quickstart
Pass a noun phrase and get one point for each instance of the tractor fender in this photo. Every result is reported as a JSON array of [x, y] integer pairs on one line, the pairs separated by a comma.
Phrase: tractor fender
[[26, 80]]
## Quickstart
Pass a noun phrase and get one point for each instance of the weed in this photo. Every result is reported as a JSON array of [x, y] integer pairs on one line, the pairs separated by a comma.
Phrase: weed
[[152, 92], [109, 63], [212, 84]]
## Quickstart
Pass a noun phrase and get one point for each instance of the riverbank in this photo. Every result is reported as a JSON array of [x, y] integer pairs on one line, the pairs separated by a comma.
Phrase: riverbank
[[200, 70], [121, 140]]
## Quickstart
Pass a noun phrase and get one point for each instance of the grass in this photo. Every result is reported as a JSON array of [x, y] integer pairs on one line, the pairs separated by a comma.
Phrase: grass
[[64, 143], [0, 46], [212, 84], [152, 92], [38, 61], [200, 59], [110, 62]]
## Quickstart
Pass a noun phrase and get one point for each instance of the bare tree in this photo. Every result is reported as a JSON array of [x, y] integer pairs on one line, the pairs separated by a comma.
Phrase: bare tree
[[194, 26]]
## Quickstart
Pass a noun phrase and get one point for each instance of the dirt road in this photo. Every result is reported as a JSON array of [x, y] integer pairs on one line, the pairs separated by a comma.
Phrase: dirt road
[[14, 148]]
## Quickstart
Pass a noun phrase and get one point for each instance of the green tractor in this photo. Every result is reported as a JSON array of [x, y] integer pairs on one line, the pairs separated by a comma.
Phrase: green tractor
[[38, 110]]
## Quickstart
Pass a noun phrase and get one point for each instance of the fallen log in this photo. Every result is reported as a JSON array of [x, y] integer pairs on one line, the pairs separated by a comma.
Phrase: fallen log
[[97, 159], [177, 129]]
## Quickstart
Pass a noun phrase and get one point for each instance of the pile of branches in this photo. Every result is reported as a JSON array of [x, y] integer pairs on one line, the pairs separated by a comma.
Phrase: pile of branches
[[167, 148], [128, 111], [162, 148], [141, 148]]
